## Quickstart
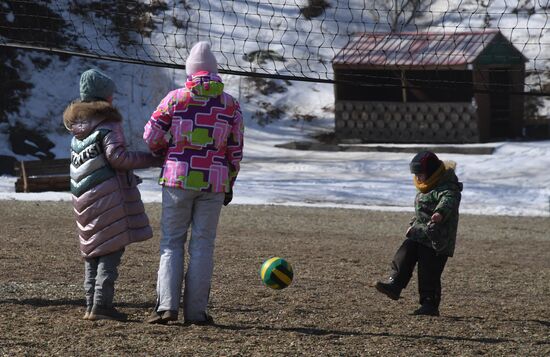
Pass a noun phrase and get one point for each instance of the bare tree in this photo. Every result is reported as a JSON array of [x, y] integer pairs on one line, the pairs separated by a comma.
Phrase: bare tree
[[485, 4], [398, 13]]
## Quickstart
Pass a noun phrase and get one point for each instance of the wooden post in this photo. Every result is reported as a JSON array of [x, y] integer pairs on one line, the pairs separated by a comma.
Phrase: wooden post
[[403, 86], [24, 173]]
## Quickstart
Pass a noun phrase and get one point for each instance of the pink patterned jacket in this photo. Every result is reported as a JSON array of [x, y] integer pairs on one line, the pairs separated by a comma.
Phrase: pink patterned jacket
[[205, 130]]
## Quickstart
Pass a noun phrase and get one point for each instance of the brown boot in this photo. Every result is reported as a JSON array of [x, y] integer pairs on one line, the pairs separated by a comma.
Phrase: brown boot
[[87, 313], [102, 313], [162, 317]]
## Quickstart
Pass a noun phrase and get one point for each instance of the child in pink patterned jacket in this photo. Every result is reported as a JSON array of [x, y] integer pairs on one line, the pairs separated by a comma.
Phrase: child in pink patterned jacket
[[202, 159]]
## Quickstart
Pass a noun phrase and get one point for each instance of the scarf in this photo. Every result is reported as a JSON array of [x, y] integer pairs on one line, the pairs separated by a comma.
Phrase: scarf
[[431, 181]]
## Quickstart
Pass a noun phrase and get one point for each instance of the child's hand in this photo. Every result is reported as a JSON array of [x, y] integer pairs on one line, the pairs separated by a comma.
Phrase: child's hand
[[159, 161], [159, 153], [228, 198], [437, 217]]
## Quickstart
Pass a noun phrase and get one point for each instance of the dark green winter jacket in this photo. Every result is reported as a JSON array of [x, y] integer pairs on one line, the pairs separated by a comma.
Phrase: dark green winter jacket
[[443, 198]]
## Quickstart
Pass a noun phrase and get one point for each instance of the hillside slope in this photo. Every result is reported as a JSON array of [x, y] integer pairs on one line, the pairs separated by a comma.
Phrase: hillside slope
[[289, 38]]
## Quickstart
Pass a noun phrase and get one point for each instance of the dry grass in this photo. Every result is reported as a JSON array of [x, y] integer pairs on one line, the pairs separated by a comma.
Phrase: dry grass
[[495, 299]]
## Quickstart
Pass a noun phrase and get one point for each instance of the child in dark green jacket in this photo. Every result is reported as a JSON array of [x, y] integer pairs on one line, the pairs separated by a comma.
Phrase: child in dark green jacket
[[431, 235]]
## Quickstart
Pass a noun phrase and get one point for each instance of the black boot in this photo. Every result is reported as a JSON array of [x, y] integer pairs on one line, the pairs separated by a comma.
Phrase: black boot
[[390, 289], [429, 307]]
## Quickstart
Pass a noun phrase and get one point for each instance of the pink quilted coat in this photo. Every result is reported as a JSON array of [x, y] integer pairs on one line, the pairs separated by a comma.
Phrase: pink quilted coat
[[107, 203]]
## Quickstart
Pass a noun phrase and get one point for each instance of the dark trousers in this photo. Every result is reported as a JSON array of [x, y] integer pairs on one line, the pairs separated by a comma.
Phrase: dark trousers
[[100, 274], [430, 268]]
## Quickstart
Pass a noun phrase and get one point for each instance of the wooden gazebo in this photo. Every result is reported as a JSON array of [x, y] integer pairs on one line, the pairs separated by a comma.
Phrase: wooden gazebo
[[429, 87]]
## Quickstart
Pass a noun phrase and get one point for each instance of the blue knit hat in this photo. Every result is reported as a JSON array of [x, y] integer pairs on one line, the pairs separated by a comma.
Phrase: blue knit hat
[[95, 85]]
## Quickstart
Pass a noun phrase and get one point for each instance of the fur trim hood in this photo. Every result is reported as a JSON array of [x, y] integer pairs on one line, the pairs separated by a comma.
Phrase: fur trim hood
[[81, 118], [449, 164], [449, 178]]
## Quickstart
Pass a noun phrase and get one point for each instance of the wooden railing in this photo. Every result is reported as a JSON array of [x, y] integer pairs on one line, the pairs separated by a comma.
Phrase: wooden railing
[[43, 175]]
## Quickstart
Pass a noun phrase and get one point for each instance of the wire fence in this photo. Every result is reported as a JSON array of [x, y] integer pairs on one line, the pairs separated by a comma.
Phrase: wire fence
[[296, 40]]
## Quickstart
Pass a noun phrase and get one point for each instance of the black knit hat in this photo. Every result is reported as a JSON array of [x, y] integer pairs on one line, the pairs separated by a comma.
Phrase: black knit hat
[[425, 162]]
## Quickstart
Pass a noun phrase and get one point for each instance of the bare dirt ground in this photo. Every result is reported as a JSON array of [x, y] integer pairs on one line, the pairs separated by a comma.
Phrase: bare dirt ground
[[496, 290]]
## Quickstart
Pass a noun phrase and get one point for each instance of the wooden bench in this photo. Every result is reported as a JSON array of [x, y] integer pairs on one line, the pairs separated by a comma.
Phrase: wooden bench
[[43, 175]]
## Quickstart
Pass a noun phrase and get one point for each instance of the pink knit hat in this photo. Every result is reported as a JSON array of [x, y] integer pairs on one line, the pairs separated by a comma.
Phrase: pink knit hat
[[201, 58]]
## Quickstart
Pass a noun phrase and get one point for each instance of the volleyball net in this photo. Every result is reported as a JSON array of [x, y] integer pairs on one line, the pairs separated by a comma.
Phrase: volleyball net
[[288, 39]]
